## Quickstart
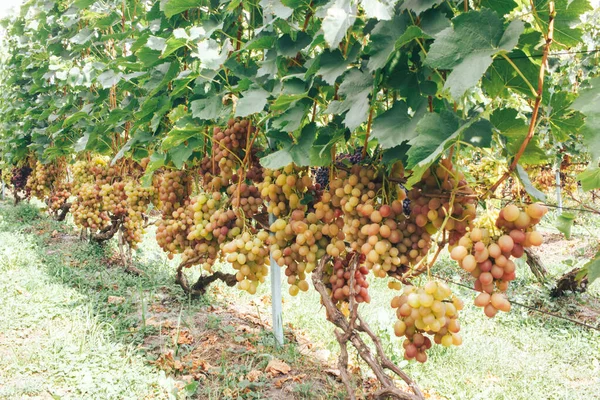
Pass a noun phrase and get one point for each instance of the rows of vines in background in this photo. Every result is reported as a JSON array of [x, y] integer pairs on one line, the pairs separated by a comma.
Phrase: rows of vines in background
[[362, 127]]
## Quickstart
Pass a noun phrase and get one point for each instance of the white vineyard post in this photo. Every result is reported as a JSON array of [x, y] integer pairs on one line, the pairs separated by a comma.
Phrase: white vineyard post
[[276, 296], [275, 272]]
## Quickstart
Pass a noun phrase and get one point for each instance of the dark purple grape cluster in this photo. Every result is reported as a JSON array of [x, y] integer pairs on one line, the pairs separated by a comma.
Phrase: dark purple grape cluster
[[405, 202], [19, 177], [322, 176], [354, 158]]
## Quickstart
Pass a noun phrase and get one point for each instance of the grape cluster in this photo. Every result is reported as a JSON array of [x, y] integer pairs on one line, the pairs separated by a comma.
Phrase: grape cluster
[[59, 196], [19, 177], [245, 197], [248, 253], [297, 244], [487, 255], [443, 199], [87, 208], [174, 189], [228, 150], [45, 178], [430, 309], [336, 277]]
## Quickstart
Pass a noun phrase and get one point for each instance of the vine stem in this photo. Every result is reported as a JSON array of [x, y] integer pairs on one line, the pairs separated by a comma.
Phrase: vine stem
[[369, 123], [538, 101], [512, 64]]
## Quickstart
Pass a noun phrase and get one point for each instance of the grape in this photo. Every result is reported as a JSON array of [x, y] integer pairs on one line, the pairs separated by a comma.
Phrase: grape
[[427, 310], [488, 256]]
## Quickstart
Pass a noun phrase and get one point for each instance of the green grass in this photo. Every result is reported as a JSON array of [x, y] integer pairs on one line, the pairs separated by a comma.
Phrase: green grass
[[60, 335], [52, 342], [63, 335]]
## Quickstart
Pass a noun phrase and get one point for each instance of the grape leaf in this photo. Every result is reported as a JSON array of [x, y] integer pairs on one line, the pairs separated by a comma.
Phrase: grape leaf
[[418, 6], [338, 16], [298, 153], [529, 188], [501, 75], [593, 268], [395, 126], [378, 9], [590, 178], [502, 7], [332, 64], [383, 41], [568, 13], [564, 223], [276, 8], [211, 54], [207, 109], [587, 104], [254, 101], [172, 7], [468, 47], [479, 134], [356, 88], [514, 130]]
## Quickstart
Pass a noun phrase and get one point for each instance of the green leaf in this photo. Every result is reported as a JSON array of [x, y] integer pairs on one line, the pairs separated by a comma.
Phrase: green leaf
[[434, 130], [109, 78], [172, 45], [332, 64], [514, 130], [289, 47], [590, 178], [157, 160], [177, 136], [356, 88], [593, 269], [529, 188], [501, 75], [479, 134], [468, 47], [276, 8], [564, 223], [254, 101], [378, 9], [180, 154], [338, 16], [298, 153], [74, 118], [587, 104], [383, 41], [436, 133], [291, 119], [563, 121], [418, 6], [211, 54], [207, 109], [434, 21], [172, 7], [502, 7], [395, 126], [568, 13]]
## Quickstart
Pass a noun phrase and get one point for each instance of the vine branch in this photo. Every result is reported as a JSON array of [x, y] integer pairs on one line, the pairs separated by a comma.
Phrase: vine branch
[[538, 100]]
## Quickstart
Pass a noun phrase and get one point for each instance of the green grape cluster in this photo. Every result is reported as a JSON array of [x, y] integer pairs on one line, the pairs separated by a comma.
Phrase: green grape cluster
[[427, 310]]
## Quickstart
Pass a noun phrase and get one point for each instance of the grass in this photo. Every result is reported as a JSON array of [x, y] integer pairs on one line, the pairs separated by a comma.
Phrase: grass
[[75, 327]]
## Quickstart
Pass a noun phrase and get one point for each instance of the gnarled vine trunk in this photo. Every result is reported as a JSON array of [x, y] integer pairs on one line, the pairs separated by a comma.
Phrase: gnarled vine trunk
[[199, 288], [349, 332]]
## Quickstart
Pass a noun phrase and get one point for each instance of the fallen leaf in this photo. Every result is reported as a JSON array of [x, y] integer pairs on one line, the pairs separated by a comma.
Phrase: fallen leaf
[[253, 375], [276, 367], [159, 308], [184, 337], [116, 300]]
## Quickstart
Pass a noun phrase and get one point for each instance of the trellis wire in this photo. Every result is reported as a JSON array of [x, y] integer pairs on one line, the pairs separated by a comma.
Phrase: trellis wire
[[525, 306]]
